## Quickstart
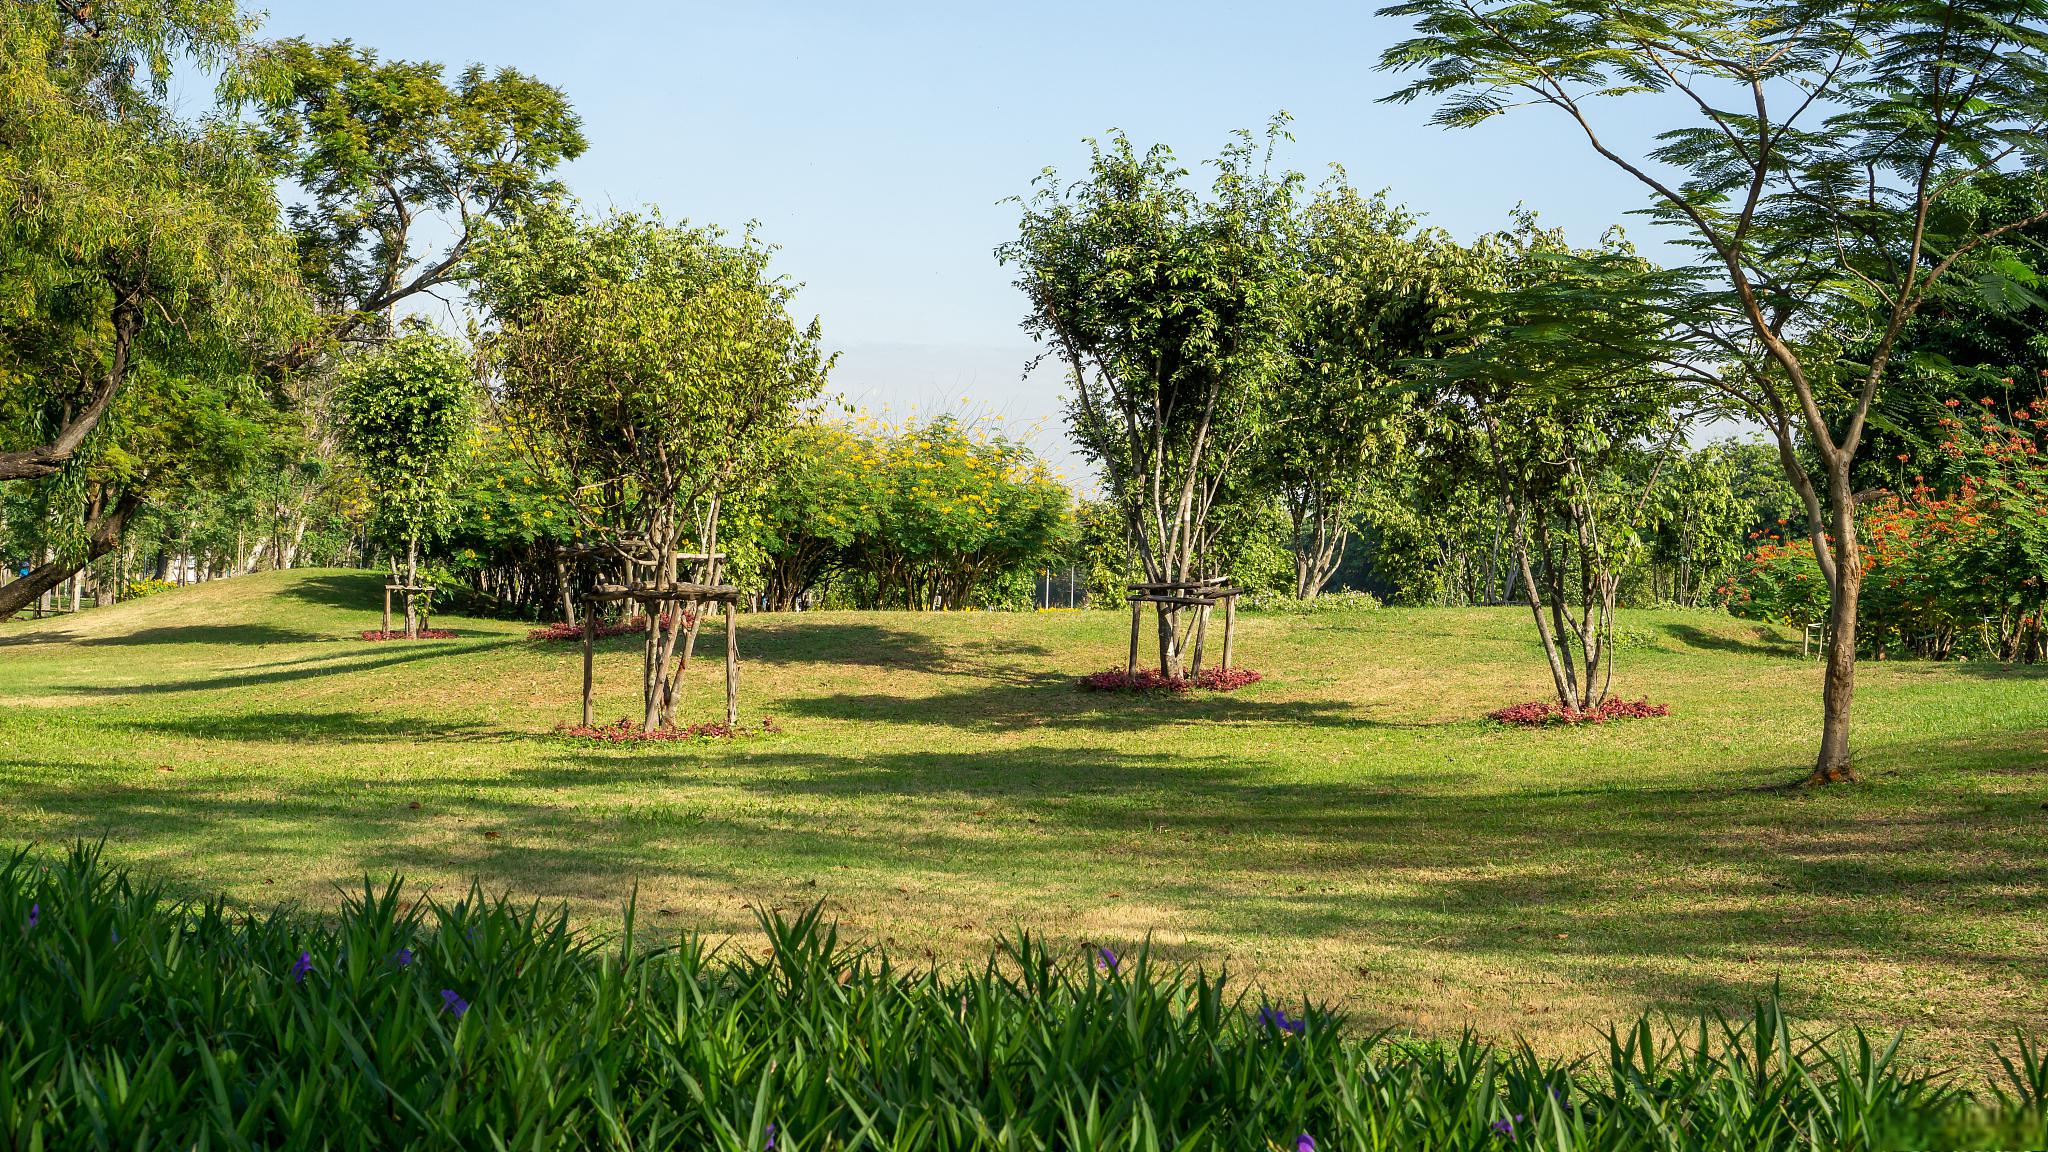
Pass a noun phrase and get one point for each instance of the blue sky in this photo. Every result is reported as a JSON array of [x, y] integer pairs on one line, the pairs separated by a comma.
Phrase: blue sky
[[875, 142]]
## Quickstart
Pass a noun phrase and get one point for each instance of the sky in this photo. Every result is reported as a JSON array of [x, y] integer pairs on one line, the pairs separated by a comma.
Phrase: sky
[[876, 142]]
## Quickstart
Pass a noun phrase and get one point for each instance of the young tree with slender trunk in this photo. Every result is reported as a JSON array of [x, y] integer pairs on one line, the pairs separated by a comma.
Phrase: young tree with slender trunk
[[1822, 172], [647, 368], [1165, 306], [407, 416], [1559, 398]]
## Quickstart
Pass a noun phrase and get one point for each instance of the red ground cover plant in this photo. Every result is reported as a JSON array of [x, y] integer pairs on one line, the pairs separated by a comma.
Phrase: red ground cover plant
[[399, 634], [1148, 680], [625, 731], [1537, 713], [632, 625]]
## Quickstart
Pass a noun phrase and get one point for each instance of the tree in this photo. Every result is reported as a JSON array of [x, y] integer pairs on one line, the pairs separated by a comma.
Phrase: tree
[[822, 501], [1366, 300], [1564, 401], [1822, 176], [130, 236], [1165, 307], [407, 417], [955, 513], [381, 146], [648, 367], [1697, 521]]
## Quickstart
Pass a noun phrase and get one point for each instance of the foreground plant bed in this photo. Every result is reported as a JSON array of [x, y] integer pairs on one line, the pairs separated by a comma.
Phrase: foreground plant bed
[[624, 731], [1147, 680], [132, 1021], [1537, 713], [399, 634]]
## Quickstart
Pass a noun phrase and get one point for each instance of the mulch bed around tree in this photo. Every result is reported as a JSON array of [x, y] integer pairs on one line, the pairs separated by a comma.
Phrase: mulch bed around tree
[[1538, 713], [1148, 680]]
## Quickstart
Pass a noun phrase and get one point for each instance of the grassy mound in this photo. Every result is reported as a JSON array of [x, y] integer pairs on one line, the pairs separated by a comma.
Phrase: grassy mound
[[133, 1021]]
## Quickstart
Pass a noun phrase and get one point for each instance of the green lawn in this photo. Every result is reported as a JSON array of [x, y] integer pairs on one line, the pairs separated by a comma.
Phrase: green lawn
[[1351, 829]]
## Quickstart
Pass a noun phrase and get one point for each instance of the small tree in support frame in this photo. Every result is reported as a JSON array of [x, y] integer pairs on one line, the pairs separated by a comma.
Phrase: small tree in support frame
[[406, 414], [1201, 595], [1166, 306], [646, 368], [689, 599]]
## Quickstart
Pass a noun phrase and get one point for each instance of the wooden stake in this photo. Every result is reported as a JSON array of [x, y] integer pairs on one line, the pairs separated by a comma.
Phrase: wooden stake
[[1131, 667], [1201, 631], [732, 668], [589, 647], [1229, 627], [387, 610]]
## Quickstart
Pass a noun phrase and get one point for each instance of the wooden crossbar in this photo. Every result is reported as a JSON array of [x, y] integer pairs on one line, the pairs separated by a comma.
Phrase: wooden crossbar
[[677, 591], [1194, 601], [1167, 585]]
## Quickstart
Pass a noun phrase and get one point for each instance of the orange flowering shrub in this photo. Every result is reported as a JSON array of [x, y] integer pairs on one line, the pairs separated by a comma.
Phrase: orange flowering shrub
[[1944, 572]]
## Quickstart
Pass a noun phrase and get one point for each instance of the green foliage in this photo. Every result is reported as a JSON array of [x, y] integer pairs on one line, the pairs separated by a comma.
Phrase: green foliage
[[503, 505], [1368, 297], [822, 499], [134, 240], [648, 366], [377, 145], [408, 1023], [1166, 307], [1288, 604], [909, 516], [407, 411], [1698, 515], [1100, 548]]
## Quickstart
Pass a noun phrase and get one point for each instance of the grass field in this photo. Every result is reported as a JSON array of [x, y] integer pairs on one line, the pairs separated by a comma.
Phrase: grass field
[[1351, 829]]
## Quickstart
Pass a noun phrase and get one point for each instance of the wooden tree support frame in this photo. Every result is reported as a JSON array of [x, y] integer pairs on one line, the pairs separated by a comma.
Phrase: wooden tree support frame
[[1201, 595], [691, 595], [410, 590]]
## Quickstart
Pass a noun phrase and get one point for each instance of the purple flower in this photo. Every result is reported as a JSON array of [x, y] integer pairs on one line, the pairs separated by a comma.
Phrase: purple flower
[[453, 1003], [770, 1145], [35, 914], [1278, 1020], [1304, 1143], [402, 957], [1107, 958], [301, 966], [1506, 1127]]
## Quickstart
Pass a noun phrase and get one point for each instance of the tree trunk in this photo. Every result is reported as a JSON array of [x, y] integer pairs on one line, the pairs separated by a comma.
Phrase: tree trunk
[[50, 458], [412, 578], [1834, 764], [103, 533]]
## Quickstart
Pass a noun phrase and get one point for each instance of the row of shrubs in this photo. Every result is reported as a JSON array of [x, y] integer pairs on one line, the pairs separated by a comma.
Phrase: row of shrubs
[[132, 1021]]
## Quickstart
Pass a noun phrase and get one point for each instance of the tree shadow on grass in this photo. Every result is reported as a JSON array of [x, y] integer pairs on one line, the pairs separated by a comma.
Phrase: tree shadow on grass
[[1764, 642], [324, 728], [287, 671], [1047, 700], [254, 634], [360, 591], [797, 641]]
